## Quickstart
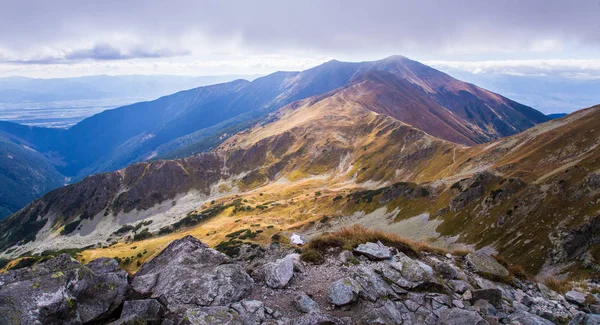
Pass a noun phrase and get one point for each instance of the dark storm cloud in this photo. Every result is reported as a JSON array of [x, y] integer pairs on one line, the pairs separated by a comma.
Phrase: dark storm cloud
[[396, 25]]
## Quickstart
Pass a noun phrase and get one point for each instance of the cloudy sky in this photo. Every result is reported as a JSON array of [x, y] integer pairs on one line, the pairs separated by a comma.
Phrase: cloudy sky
[[72, 37]]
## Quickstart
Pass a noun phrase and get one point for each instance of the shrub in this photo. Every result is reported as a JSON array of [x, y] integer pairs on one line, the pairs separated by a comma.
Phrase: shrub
[[70, 227], [24, 262], [519, 272], [144, 234], [312, 256], [556, 284]]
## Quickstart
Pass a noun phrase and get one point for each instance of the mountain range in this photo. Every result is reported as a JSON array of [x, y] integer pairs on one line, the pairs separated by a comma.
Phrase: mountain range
[[390, 144], [197, 120]]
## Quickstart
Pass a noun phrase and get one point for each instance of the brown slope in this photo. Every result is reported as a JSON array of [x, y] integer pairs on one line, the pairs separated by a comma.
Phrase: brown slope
[[494, 115]]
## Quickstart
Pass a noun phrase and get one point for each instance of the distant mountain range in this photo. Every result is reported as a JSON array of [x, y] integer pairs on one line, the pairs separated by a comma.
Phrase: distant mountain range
[[35, 90], [549, 94], [199, 119]]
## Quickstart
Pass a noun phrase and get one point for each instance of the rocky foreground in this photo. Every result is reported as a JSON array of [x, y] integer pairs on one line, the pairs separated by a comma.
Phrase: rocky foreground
[[190, 283]]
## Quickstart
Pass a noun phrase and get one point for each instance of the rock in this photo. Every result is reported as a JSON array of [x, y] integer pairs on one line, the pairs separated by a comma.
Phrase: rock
[[458, 303], [486, 265], [143, 284], [296, 239], [447, 271], [129, 320], [456, 316], [298, 264], [389, 313], [467, 296], [585, 319], [595, 309], [460, 286], [61, 290], [525, 318], [493, 296], [575, 297], [344, 291], [252, 312], [346, 256], [319, 319], [219, 315], [304, 303], [147, 309], [485, 308], [279, 273], [374, 251], [189, 274], [103, 265], [372, 285]]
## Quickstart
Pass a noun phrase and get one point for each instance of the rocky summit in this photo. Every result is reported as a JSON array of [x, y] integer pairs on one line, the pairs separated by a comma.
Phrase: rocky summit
[[190, 283]]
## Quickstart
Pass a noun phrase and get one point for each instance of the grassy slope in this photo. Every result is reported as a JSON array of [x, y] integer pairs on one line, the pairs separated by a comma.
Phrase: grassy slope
[[320, 149]]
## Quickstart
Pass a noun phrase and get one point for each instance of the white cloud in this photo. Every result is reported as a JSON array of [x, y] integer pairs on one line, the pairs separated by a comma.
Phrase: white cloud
[[225, 65], [571, 68]]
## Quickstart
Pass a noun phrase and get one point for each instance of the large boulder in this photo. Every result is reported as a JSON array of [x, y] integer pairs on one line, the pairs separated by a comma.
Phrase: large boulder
[[584, 319], [486, 265], [62, 291], [575, 297], [374, 251], [189, 274], [304, 303], [280, 272], [525, 318], [405, 272], [149, 310], [493, 296], [344, 291]]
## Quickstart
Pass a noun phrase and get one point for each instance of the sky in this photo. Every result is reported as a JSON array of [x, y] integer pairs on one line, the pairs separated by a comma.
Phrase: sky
[[64, 38]]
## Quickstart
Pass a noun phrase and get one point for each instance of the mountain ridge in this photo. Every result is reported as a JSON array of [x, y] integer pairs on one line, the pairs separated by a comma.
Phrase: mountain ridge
[[325, 143]]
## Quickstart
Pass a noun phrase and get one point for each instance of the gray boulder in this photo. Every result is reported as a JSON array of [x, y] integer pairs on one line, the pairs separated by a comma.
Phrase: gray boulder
[[485, 264], [304, 303], [372, 285], [575, 297], [493, 296], [279, 273], [148, 309], [525, 318], [344, 291], [585, 319], [219, 315], [457, 316], [405, 272], [252, 312], [61, 291], [320, 319], [189, 274], [389, 313], [374, 251]]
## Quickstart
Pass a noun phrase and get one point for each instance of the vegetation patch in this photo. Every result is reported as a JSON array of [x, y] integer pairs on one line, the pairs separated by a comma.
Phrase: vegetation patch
[[312, 256], [70, 227], [350, 237]]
